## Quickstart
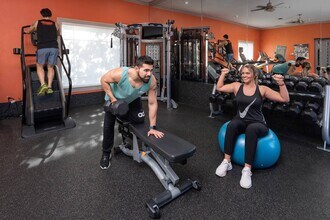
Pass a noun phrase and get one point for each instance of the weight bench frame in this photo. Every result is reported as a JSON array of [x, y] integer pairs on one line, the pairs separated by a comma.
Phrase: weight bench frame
[[158, 163]]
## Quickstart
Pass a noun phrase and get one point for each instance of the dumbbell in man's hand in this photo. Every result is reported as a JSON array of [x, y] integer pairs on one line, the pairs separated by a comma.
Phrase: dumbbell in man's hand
[[117, 108]]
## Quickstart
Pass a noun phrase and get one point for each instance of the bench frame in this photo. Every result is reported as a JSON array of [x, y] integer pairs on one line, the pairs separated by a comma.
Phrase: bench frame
[[161, 167]]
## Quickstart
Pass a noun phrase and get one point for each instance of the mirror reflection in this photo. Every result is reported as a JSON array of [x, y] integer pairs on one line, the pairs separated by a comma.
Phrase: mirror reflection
[[256, 29]]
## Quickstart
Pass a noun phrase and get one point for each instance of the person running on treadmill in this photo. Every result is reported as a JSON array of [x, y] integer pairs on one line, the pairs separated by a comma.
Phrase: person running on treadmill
[[128, 84], [47, 49]]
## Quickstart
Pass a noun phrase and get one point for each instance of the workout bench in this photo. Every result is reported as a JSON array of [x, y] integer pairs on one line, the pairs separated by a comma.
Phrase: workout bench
[[164, 151]]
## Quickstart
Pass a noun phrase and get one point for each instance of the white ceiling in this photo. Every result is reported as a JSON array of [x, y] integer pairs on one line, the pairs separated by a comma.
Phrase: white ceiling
[[239, 11]]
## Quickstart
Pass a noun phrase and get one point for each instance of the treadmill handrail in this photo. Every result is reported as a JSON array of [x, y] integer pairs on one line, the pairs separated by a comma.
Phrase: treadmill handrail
[[67, 72], [23, 68]]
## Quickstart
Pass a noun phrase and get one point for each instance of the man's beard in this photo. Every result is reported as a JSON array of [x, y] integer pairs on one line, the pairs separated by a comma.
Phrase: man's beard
[[145, 80]]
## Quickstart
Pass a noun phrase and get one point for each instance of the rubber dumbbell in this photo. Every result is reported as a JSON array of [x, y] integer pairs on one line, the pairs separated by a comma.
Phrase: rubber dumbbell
[[261, 77], [237, 78], [317, 85], [266, 82], [229, 79], [313, 105], [117, 108], [303, 84], [222, 98], [309, 115], [321, 80], [307, 79], [281, 107], [295, 108], [213, 97], [266, 79], [273, 84], [290, 82], [289, 85], [268, 105], [295, 79]]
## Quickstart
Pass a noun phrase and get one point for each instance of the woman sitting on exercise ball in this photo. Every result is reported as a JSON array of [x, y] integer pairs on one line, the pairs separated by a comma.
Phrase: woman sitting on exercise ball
[[249, 97]]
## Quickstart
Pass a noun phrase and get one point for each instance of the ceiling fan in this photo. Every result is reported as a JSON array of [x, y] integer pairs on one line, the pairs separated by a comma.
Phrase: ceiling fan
[[299, 20], [269, 7]]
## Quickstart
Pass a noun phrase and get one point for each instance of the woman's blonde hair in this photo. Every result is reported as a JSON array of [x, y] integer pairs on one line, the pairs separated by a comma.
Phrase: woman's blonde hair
[[306, 65], [254, 70]]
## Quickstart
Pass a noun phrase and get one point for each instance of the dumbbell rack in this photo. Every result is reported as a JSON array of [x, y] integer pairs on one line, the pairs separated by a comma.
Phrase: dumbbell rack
[[306, 97], [309, 97]]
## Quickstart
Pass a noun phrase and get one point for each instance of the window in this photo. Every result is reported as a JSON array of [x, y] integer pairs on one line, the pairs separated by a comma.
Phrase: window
[[247, 50], [89, 51]]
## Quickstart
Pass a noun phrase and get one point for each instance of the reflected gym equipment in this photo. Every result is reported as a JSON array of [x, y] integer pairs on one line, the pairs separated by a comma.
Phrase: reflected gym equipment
[[155, 40], [194, 53]]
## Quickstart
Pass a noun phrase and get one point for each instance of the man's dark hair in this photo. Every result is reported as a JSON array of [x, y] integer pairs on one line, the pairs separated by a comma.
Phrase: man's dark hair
[[144, 60], [280, 58], [225, 36], [300, 59], [46, 12]]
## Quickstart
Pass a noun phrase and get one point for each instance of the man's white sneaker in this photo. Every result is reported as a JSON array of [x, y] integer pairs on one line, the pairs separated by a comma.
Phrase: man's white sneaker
[[223, 168], [246, 181]]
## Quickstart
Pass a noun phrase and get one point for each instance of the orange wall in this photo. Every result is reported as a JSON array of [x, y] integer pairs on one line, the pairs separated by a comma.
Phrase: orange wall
[[302, 34], [17, 13]]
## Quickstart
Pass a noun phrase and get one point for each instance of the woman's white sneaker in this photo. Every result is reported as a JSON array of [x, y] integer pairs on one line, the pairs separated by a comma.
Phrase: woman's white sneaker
[[246, 181], [223, 168]]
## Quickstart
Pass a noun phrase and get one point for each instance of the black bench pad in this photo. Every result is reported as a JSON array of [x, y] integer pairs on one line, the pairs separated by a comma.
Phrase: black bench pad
[[171, 147]]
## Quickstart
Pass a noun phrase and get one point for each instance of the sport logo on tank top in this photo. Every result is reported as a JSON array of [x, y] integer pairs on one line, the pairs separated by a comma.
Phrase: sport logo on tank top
[[243, 114]]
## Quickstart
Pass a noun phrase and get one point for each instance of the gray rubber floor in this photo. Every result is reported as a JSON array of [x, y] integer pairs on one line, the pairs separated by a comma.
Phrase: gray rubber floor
[[57, 176]]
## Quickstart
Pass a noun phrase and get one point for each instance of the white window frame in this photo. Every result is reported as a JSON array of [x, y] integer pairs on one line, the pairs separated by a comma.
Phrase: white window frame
[[248, 49], [104, 69]]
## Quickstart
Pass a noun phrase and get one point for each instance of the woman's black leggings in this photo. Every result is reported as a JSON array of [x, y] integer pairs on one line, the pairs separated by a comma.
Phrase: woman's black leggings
[[252, 131], [134, 115]]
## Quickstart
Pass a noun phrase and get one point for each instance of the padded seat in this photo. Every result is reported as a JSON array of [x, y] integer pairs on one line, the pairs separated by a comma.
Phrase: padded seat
[[171, 147]]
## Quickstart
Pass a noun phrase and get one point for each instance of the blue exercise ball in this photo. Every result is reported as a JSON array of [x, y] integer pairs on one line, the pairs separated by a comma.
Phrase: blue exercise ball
[[267, 152]]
